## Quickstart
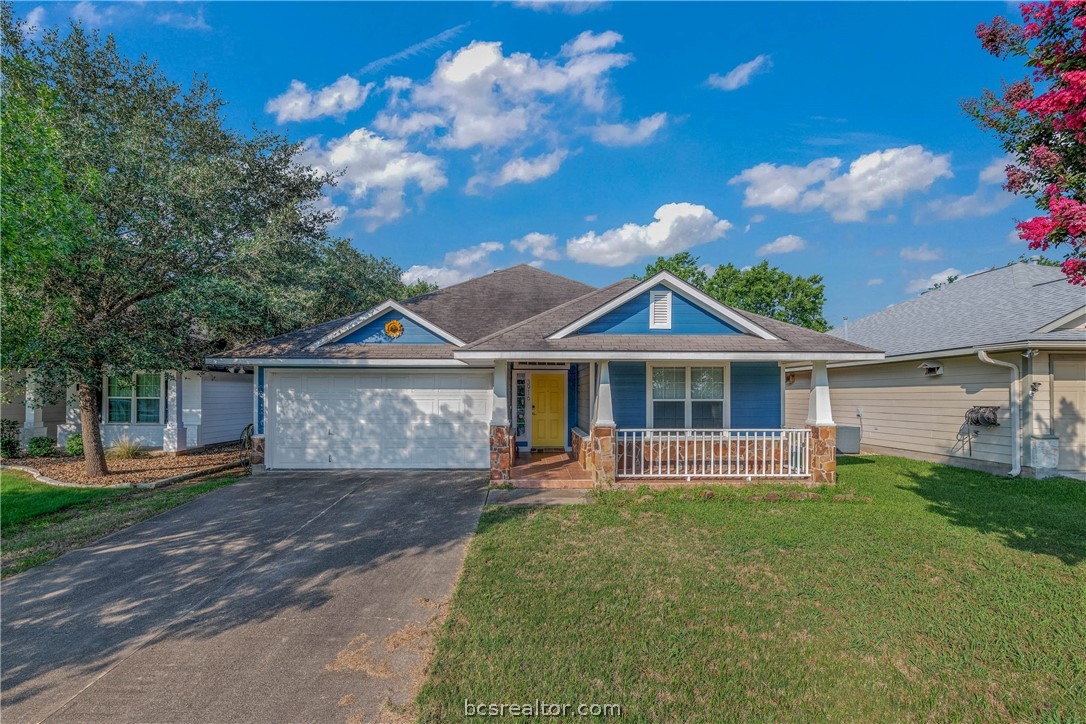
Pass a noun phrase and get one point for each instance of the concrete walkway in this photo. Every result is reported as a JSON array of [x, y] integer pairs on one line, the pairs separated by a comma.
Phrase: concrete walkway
[[285, 597], [535, 496]]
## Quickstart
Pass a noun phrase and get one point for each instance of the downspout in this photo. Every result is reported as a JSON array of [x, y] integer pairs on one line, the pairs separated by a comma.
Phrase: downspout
[[1016, 393]]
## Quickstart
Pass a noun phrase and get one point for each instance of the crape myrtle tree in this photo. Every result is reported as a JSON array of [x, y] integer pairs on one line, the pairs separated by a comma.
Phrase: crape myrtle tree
[[167, 235], [761, 289], [1041, 122]]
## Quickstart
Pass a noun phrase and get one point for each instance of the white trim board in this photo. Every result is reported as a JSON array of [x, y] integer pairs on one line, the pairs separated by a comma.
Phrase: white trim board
[[677, 356], [677, 285], [326, 362], [1056, 324], [377, 311]]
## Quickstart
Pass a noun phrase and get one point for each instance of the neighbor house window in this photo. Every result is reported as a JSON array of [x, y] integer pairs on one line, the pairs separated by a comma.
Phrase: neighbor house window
[[134, 399], [687, 397]]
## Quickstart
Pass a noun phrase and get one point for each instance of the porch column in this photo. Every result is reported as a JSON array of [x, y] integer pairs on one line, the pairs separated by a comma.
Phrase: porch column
[[601, 451], [73, 423], [33, 417], [823, 444], [173, 436], [502, 443]]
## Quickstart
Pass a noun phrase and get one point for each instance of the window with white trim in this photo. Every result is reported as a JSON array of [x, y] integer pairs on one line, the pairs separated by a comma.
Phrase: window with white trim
[[659, 310], [687, 397], [134, 399]]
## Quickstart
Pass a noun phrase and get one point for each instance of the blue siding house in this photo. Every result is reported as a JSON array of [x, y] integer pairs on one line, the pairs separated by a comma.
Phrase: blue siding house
[[541, 379]]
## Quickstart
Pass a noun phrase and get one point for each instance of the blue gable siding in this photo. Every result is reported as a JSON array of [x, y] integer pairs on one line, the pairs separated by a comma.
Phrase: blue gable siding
[[633, 318], [628, 393], [373, 332], [756, 394]]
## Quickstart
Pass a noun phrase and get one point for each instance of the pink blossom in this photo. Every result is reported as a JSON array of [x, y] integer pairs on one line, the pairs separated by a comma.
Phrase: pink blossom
[[1043, 157], [1075, 270], [1016, 179]]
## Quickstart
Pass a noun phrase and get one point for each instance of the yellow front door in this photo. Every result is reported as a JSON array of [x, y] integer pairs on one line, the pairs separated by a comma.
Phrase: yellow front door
[[548, 410]]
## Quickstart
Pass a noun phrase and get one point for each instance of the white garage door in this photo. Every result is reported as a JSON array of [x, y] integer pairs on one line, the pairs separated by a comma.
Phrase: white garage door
[[378, 419]]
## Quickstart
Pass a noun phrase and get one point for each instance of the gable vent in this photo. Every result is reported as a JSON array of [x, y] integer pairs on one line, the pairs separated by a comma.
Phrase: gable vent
[[659, 310]]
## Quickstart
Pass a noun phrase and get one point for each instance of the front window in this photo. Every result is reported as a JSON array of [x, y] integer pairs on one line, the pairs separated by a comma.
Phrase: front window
[[134, 399], [687, 397]]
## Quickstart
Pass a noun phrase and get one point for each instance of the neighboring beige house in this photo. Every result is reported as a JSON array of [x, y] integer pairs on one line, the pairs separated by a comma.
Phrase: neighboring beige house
[[208, 407], [1012, 338]]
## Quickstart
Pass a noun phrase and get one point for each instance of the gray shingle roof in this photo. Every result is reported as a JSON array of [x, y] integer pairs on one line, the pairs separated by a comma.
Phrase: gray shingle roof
[[469, 310], [1001, 305], [531, 334]]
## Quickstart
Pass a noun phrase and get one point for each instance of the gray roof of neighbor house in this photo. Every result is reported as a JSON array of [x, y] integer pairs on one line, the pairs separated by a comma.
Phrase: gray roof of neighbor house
[[532, 334], [1003, 305], [469, 311]]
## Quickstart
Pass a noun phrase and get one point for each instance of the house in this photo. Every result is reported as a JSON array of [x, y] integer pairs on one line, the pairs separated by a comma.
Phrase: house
[[644, 379], [988, 373], [208, 407]]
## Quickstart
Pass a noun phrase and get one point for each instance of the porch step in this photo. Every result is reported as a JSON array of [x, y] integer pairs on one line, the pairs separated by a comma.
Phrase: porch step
[[556, 484]]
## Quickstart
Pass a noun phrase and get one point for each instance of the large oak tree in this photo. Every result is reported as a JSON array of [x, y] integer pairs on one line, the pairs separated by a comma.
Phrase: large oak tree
[[168, 235]]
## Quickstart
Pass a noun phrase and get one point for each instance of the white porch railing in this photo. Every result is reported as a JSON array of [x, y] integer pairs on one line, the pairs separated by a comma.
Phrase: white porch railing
[[764, 453]]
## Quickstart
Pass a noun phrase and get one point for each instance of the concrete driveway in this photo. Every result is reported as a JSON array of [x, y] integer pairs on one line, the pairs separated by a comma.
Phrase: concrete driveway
[[301, 596]]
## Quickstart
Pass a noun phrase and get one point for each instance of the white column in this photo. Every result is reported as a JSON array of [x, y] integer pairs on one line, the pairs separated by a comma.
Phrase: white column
[[73, 423], [819, 412], [33, 421], [605, 416], [500, 414], [173, 436]]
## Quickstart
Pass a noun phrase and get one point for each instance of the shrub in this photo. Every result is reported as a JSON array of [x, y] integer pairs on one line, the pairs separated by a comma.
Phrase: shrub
[[125, 448], [40, 447], [9, 438], [74, 445]]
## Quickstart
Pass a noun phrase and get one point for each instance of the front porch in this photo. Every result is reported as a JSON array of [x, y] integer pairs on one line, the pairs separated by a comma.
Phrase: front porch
[[583, 424]]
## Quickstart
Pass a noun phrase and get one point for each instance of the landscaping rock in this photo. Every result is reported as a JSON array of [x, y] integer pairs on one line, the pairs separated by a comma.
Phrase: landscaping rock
[[686, 496], [645, 499], [771, 497], [707, 494], [843, 497]]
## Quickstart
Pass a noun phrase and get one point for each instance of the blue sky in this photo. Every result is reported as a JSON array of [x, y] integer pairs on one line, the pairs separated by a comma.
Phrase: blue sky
[[590, 138]]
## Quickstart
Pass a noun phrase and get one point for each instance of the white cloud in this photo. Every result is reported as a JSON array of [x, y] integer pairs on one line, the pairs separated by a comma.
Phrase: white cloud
[[919, 285], [1013, 238], [376, 170], [183, 21], [457, 266], [591, 217], [589, 42], [541, 246], [978, 203], [326, 204], [871, 182], [569, 7], [35, 21], [995, 172], [93, 14], [479, 96], [677, 227], [741, 74], [920, 253], [709, 269], [412, 50], [519, 170], [629, 134], [782, 245], [874, 282], [299, 103]]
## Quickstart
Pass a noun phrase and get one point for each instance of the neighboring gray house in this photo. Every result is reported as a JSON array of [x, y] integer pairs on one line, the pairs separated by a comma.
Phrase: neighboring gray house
[[215, 406], [1012, 338]]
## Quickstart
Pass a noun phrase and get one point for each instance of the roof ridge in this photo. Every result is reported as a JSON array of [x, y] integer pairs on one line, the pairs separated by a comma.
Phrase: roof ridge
[[595, 290]]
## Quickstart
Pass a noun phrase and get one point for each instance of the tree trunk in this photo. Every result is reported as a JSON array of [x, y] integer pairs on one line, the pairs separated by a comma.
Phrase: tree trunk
[[93, 453]]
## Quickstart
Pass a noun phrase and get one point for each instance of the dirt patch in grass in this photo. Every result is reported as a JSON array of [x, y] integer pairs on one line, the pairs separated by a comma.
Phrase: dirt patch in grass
[[72, 469]]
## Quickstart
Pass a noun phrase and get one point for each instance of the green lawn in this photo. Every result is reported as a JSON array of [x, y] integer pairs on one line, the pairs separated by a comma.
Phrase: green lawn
[[933, 593], [40, 521]]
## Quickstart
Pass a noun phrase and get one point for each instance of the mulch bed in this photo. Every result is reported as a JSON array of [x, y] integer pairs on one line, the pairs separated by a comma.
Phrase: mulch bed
[[155, 466]]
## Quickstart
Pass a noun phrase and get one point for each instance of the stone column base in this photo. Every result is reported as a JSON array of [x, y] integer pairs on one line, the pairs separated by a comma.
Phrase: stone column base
[[600, 455], [29, 432], [501, 454], [823, 453], [257, 456]]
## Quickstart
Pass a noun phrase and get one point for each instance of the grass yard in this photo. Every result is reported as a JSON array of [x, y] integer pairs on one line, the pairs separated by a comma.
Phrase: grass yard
[[933, 593], [40, 522]]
